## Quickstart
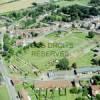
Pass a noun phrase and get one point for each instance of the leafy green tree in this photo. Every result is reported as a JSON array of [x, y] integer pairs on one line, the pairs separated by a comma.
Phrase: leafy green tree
[[38, 45], [63, 64], [74, 90], [96, 79], [99, 62], [94, 2], [81, 98], [34, 4], [34, 34], [93, 11], [74, 65], [98, 97], [91, 34], [0, 46], [6, 41], [85, 91]]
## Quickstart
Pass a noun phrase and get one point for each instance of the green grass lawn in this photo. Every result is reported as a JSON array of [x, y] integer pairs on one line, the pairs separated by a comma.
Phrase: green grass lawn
[[4, 1], [44, 62], [46, 58], [83, 60], [3, 93], [67, 3]]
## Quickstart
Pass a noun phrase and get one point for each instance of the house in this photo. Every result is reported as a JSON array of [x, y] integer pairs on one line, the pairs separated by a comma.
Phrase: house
[[95, 89]]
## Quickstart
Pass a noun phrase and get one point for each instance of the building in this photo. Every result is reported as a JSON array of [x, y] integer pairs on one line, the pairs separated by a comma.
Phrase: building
[[88, 70]]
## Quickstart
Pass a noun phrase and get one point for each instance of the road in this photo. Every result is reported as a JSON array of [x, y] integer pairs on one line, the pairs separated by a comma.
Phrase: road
[[63, 75], [11, 89]]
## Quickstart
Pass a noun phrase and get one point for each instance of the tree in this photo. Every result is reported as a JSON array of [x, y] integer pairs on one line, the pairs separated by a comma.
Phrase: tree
[[94, 61], [99, 62], [34, 34], [34, 4], [63, 64], [74, 65], [11, 51], [38, 45], [91, 34], [1, 78], [98, 97], [79, 12], [6, 41], [19, 37], [0, 46], [74, 90], [96, 79], [94, 2], [93, 11], [85, 91], [81, 98]]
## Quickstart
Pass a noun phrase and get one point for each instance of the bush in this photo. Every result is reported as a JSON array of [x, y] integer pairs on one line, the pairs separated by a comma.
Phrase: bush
[[74, 90], [81, 98]]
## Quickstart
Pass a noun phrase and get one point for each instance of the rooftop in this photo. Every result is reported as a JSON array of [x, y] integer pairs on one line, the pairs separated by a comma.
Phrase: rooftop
[[88, 69]]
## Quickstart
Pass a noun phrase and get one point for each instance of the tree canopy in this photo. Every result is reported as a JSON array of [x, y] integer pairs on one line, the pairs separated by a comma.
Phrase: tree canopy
[[95, 2], [63, 64]]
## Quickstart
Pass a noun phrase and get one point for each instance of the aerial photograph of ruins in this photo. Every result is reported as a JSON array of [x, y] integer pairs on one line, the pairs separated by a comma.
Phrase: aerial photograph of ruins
[[49, 49]]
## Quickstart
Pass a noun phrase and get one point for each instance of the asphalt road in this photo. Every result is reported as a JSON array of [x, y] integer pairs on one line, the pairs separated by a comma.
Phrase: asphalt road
[[11, 89]]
